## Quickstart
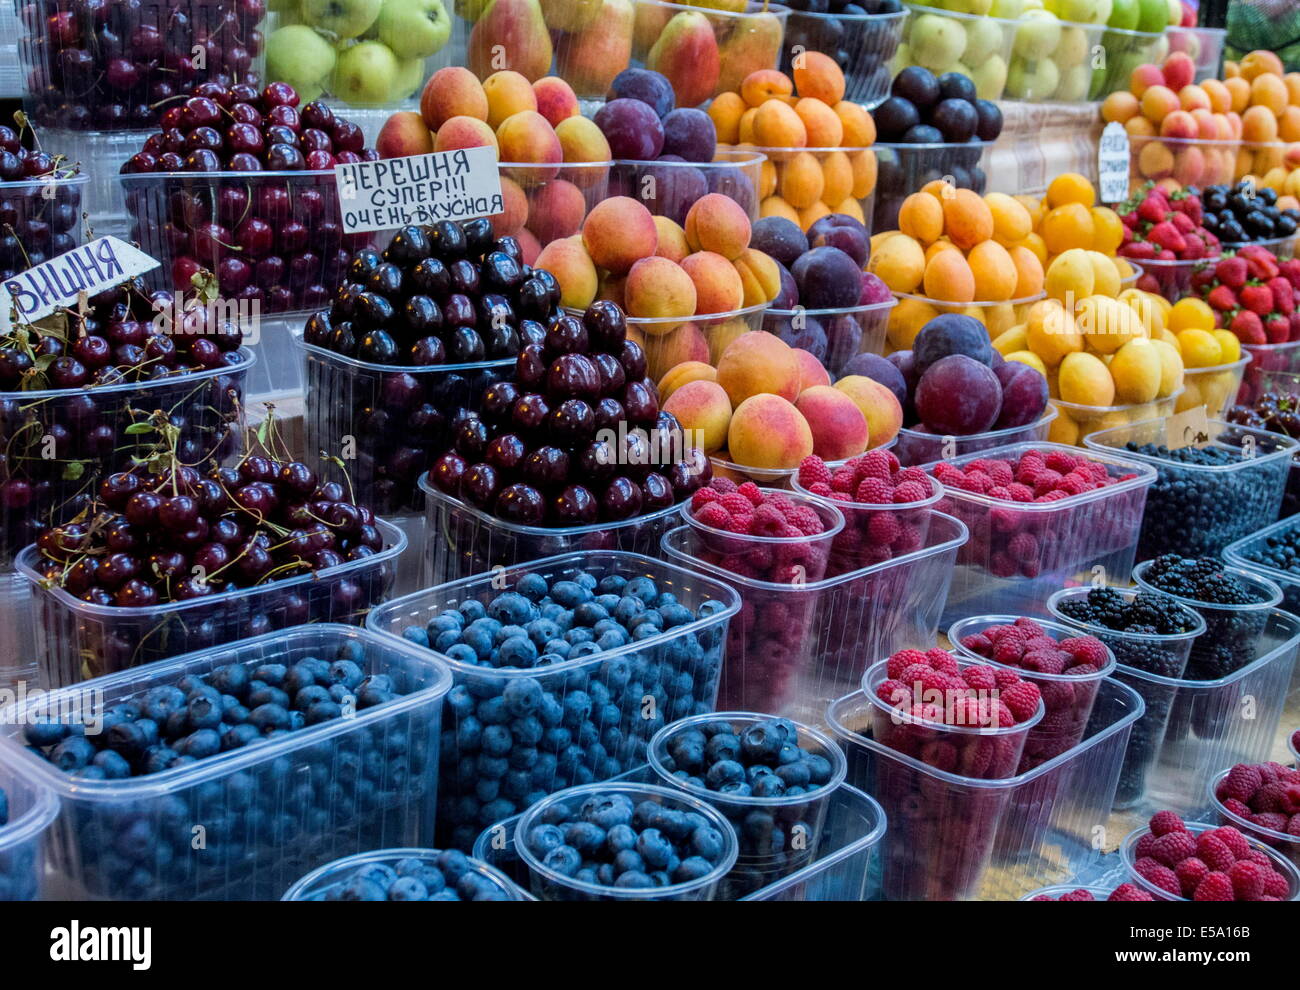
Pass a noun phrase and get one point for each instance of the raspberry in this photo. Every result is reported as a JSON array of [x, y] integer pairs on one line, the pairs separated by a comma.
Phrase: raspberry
[[1238, 808], [1022, 699], [1000, 472], [842, 480], [780, 502], [1248, 880], [1029, 626], [806, 520], [1052, 496], [912, 491], [822, 488], [913, 473], [1077, 895], [812, 469], [1129, 892], [703, 496], [1142, 850], [1163, 822], [978, 643], [1086, 649], [1241, 783], [883, 529], [1215, 853], [903, 659], [1006, 679], [874, 491], [1234, 840], [1191, 872], [1043, 662], [948, 474], [1061, 462], [724, 486], [1023, 547], [1173, 847], [976, 483], [893, 692], [1008, 651], [1019, 492], [942, 660], [980, 677], [1158, 875], [1216, 886], [736, 504], [752, 492], [874, 465], [1275, 884], [1275, 820], [712, 514], [1073, 484]]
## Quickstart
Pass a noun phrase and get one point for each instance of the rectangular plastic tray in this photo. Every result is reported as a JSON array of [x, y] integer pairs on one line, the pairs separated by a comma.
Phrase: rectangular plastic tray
[[1079, 537], [842, 868], [17, 636], [955, 838], [32, 809], [630, 692], [1245, 551], [794, 648], [1196, 510], [245, 824], [464, 541], [915, 447], [76, 640]]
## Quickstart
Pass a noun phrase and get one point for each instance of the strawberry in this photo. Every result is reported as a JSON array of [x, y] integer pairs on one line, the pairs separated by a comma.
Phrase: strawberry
[[1231, 271], [1152, 209], [1248, 327], [1256, 298], [1295, 325], [1283, 295], [1259, 262], [1139, 250], [1277, 328], [1126, 235], [1290, 269], [1195, 248], [1182, 221], [1166, 255], [1130, 219], [1222, 298], [1167, 236], [1203, 280]]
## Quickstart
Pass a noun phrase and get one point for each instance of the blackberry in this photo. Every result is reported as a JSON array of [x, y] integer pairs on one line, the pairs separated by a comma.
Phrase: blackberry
[[1202, 579], [1146, 612]]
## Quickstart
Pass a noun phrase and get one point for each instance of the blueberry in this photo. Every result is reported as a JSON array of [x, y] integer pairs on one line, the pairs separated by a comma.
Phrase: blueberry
[[609, 811], [723, 772], [570, 594], [768, 786], [271, 674], [578, 635], [266, 717], [761, 742], [642, 588], [611, 584], [238, 736], [496, 740], [564, 860], [72, 754], [200, 744], [360, 890], [322, 711], [472, 610], [707, 842], [654, 848], [556, 650], [589, 613], [517, 651], [231, 678], [113, 765], [736, 788], [692, 868], [347, 673], [675, 615], [511, 608], [480, 639], [461, 653], [445, 622], [789, 753], [44, 734], [408, 889], [819, 768], [532, 587], [634, 879], [416, 635]]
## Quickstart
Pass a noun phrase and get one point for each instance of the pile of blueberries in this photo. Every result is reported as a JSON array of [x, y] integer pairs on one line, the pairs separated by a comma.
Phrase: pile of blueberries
[[1280, 551], [443, 875], [1196, 512], [262, 826], [1240, 213], [18, 879], [510, 740], [861, 45], [613, 841]]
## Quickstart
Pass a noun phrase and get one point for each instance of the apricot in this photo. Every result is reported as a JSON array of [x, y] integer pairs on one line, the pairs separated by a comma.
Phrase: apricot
[[1258, 125], [837, 178], [819, 77], [718, 287], [1011, 221], [582, 141], [684, 346], [618, 232], [572, 267], [994, 271], [775, 206], [1143, 77], [759, 276], [879, 406], [659, 289], [719, 224], [766, 178], [464, 132], [967, 218], [864, 172], [1158, 102], [838, 426], [1179, 125], [850, 208], [1119, 107], [800, 181], [1029, 272], [899, 262], [687, 371], [452, 92], [1288, 124], [527, 138], [508, 93], [1259, 63], [768, 432], [906, 320], [821, 123], [948, 277], [1070, 187], [1189, 166], [1140, 127], [746, 125], [672, 240], [921, 217], [556, 210], [757, 362], [1217, 93], [702, 407], [859, 128], [776, 125], [1155, 160], [725, 111], [764, 84], [556, 100], [1239, 92], [516, 212]]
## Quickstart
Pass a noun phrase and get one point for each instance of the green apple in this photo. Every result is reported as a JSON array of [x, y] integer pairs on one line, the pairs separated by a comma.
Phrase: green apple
[[990, 78], [901, 60], [296, 54], [1124, 14], [1037, 36], [983, 38], [1153, 16], [1175, 12], [937, 42], [410, 78], [1010, 9], [1032, 80], [341, 18], [365, 75], [413, 28], [1082, 11], [1072, 49]]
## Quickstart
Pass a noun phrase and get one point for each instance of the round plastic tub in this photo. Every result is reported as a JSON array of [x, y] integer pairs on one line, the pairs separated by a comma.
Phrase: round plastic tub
[[669, 189], [985, 49], [846, 175], [1281, 248], [1134, 271], [1271, 366], [1214, 387], [902, 169], [668, 342], [915, 311], [863, 45], [1074, 422], [1204, 45], [1188, 161], [1171, 279], [777, 559], [1125, 51], [1067, 698], [44, 216], [1283, 842], [777, 835], [325, 883], [541, 198], [903, 528], [32, 810], [915, 446], [549, 885], [1129, 859], [833, 336], [1163, 656], [985, 753]]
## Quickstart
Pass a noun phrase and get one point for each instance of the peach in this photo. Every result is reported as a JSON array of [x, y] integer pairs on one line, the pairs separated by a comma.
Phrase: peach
[[1143, 78], [508, 93], [759, 276], [686, 371], [1179, 124], [672, 240], [1119, 107], [556, 100], [1179, 71], [811, 371], [526, 138], [464, 132], [819, 77], [717, 223], [572, 267], [658, 288], [452, 92], [838, 426], [878, 404], [684, 346], [581, 141], [757, 362], [759, 87], [404, 133], [618, 232], [511, 220], [820, 122], [725, 110], [556, 210], [776, 125], [718, 287], [702, 407], [859, 128], [768, 432], [529, 246], [1158, 102], [1193, 98]]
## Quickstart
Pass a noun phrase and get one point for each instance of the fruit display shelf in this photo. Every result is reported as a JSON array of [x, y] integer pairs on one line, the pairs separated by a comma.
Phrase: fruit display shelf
[[77, 640], [600, 696], [26, 813], [1209, 493], [902, 169], [271, 810], [669, 188], [863, 44], [849, 332], [1074, 421], [917, 446], [1262, 550], [953, 837], [464, 878], [794, 647], [1129, 857], [42, 218], [1284, 843]]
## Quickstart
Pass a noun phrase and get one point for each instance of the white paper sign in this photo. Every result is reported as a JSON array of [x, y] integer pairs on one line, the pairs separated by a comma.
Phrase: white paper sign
[[56, 284], [1112, 163], [420, 189]]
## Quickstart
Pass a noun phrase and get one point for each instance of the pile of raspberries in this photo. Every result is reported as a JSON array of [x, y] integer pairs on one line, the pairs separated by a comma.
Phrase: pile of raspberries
[[1035, 477], [1264, 794], [748, 510], [1218, 864], [976, 695], [1124, 892], [874, 478], [1027, 645]]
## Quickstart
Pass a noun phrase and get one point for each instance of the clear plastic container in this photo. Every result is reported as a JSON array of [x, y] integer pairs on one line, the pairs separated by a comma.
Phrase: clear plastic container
[[246, 823], [290, 222], [833, 336], [770, 477], [11, 76], [464, 541], [916, 446], [1281, 248], [1196, 510], [1215, 387], [1259, 158], [858, 544], [1284, 843], [999, 572], [322, 883], [1203, 44], [863, 45], [77, 641], [1134, 270], [1074, 421], [101, 155], [953, 837], [1189, 161], [32, 810], [669, 342], [1067, 698], [1246, 554], [542, 199], [772, 559], [850, 172], [902, 169], [778, 836], [394, 421], [631, 692], [549, 885], [17, 637], [1171, 279], [1151, 664], [1129, 858], [68, 53], [986, 47], [89, 427], [668, 189], [44, 216], [793, 648], [1125, 51], [996, 316], [1269, 363], [745, 41], [1063, 75]]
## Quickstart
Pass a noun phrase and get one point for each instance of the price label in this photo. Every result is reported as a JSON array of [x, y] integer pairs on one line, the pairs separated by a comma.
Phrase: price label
[[61, 282], [1187, 428], [1112, 163], [420, 189]]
